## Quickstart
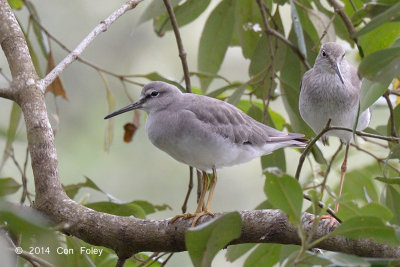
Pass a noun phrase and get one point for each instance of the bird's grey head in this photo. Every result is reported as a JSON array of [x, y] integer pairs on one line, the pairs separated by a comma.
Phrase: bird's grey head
[[155, 96], [331, 59]]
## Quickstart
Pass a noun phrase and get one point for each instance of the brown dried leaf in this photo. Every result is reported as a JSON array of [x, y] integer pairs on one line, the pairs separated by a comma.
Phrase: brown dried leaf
[[130, 130], [55, 87]]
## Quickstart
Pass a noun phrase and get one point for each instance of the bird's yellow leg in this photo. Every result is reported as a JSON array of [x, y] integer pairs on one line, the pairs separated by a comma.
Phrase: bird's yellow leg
[[210, 195], [199, 204]]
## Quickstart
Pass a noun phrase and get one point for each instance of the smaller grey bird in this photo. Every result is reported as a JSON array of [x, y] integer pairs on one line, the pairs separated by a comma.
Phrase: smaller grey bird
[[205, 133], [331, 90]]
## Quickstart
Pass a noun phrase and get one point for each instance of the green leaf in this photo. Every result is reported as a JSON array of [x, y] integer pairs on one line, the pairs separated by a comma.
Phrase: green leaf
[[298, 29], [154, 76], [351, 209], [391, 14], [370, 92], [290, 79], [215, 39], [73, 189], [394, 152], [129, 209], [16, 4], [184, 13], [264, 255], [219, 91], [15, 117], [342, 259], [275, 159], [204, 242], [154, 9], [381, 66], [396, 115], [8, 186], [285, 193], [380, 38], [358, 182], [317, 22], [247, 16], [392, 201], [395, 180], [367, 227], [234, 252], [40, 35], [318, 156], [376, 262], [237, 94], [21, 219]]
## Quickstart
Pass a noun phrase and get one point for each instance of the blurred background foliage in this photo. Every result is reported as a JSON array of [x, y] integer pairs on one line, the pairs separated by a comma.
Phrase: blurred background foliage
[[251, 59]]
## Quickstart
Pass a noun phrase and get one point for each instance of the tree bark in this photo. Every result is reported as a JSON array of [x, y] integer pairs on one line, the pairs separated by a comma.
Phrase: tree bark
[[128, 235]]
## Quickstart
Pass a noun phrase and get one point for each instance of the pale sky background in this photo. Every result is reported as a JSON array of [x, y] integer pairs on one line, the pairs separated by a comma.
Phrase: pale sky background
[[138, 170]]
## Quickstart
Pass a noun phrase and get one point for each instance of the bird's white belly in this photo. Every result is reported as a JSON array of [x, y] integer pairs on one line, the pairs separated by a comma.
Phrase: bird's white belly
[[206, 154], [316, 115]]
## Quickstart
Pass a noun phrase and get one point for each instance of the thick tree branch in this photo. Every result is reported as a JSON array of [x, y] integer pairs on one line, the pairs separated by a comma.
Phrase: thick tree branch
[[102, 27], [129, 235]]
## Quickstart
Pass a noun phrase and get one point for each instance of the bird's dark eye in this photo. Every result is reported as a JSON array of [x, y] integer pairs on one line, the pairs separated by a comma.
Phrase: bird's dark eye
[[323, 53], [154, 94]]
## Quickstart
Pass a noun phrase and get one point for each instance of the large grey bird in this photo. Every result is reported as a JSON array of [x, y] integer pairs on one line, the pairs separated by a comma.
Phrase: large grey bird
[[331, 90], [205, 133]]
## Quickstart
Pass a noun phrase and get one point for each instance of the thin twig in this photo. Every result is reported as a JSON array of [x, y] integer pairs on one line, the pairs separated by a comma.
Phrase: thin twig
[[157, 258], [347, 21], [4, 76], [328, 128], [100, 28], [123, 77], [380, 160], [25, 192], [308, 148], [272, 58], [394, 92], [143, 263], [167, 259], [269, 31], [325, 32], [182, 53], [322, 206], [189, 190], [392, 121], [323, 184]]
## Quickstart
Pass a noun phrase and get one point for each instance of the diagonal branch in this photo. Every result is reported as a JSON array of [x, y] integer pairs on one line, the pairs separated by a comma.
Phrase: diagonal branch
[[102, 27], [347, 21], [270, 31], [7, 93], [182, 53]]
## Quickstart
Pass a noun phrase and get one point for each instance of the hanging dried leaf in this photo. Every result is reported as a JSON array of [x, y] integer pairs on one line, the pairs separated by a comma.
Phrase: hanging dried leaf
[[109, 134], [131, 127], [130, 130], [56, 87]]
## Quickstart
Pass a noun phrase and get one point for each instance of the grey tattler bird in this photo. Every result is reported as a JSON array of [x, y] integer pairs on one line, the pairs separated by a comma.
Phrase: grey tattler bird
[[205, 133], [331, 90]]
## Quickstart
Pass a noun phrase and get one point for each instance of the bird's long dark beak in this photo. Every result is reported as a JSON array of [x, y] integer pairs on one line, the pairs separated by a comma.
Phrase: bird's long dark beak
[[338, 72], [137, 104]]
